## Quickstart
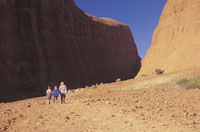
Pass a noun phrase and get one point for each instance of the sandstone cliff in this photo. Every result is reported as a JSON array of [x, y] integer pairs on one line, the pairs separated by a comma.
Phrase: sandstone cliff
[[176, 40], [44, 42]]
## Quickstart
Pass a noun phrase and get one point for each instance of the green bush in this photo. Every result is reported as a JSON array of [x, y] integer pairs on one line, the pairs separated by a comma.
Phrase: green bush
[[191, 83], [182, 82]]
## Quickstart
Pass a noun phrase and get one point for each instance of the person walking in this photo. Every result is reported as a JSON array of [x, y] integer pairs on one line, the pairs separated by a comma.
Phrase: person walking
[[63, 91], [48, 94], [55, 94]]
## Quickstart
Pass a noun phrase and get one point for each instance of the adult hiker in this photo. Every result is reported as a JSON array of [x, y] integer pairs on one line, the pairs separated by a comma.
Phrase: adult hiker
[[55, 94], [48, 94], [63, 91]]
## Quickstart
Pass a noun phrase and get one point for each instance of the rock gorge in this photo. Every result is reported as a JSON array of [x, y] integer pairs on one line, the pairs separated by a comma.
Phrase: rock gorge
[[176, 40], [44, 42]]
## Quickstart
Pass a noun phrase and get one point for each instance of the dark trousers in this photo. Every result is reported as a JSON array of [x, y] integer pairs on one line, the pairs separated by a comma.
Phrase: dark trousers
[[63, 96], [55, 99]]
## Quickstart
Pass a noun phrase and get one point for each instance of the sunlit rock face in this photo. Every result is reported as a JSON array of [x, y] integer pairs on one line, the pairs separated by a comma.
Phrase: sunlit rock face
[[44, 42], [176, 41]]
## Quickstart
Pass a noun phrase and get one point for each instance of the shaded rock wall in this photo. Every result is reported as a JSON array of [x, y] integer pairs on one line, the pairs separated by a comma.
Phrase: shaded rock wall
[[176, 40], [44, 42]]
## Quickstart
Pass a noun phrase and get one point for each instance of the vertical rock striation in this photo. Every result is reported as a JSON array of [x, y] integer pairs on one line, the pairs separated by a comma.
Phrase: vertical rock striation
[[176, 40], [43, 42]]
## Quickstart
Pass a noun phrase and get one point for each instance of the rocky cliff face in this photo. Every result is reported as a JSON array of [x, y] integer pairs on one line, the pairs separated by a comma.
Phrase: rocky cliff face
[[176, 40], [44, 42]]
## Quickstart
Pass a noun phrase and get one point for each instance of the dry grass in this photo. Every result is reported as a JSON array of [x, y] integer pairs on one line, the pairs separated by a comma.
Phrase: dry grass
[[191, 83]]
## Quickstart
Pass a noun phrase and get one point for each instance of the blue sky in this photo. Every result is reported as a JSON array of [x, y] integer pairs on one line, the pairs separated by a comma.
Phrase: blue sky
[[141, 16]]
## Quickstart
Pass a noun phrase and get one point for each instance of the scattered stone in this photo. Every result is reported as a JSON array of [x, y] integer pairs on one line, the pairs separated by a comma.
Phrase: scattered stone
[[107, 102], [138, 107], [98, 100], [142, 114], [192, 114], [77, 90], [67, 117], [172, 115], [41, 117], [118, 80], [93, 86], [133, 110], [136, 100], [21, 116], [165, 124], [13, 119], [27, 105]]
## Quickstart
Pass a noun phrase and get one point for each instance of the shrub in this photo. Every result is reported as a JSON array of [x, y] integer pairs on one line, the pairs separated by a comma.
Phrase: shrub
[[182, 82], [190, 83], [158, 71]]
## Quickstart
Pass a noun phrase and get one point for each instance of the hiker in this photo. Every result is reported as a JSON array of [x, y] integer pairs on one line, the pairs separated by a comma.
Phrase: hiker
[[55, 94], [63, 91], [48, 94]]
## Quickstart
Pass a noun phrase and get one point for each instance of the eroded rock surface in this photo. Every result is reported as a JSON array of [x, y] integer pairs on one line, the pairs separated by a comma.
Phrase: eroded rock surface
[[43, 42], [176, 40]]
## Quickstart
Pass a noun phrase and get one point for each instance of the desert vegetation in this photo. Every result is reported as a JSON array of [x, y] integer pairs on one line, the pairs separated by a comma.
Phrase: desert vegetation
[[191, 83]]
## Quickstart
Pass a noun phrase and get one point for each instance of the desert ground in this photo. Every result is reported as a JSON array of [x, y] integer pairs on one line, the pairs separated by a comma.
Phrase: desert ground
[[148, 104]]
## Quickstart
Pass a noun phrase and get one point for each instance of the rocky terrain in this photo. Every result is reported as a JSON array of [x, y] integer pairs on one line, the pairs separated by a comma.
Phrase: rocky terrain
[[175, 44], [161, 107], [44, 42]]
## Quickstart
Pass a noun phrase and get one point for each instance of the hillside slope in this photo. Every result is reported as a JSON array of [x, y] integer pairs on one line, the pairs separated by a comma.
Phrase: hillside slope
[[176, 41]]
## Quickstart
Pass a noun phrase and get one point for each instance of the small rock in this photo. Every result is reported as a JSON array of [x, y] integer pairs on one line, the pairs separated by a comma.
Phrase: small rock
[[118, 80], [136, 100], [27, 105], [21, 116], [192, 114], [113, 115], [133, 110], [41, 117], [98, 100], [67, 117], [77, 90], [142, 114], [93, 86], [172, 115], [138, 107], [107, 102]]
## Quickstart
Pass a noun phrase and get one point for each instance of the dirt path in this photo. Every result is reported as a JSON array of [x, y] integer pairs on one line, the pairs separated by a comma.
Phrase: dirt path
[[102, 109]]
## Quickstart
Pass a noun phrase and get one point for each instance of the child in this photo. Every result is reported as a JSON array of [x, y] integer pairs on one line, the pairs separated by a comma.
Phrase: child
[[55, 94], [48, 94]]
